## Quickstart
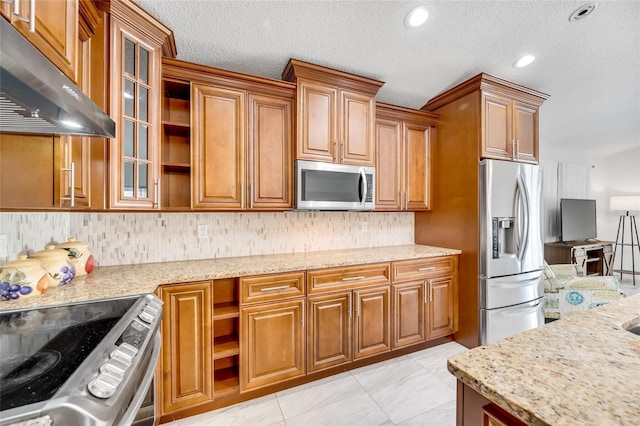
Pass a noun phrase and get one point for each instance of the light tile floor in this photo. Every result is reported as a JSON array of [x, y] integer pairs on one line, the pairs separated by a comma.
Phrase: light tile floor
[[414, 389]]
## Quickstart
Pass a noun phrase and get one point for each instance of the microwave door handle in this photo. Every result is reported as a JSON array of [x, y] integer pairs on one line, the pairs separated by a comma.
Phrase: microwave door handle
[[363, 185]]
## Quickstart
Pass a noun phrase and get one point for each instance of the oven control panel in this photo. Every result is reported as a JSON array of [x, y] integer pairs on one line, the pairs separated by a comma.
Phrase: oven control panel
[[131, 341]]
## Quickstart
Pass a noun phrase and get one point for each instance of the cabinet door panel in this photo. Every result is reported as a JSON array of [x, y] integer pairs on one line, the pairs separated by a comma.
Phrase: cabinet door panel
[[357, 129], [441, 309], [417, 166], [270, 158], [372, 331], [317, 133], [56, 31], [388, 164], [218, 138], [496, 135], [329, 334], [409, 313], [525, 130], [187, 360], [272, 344]]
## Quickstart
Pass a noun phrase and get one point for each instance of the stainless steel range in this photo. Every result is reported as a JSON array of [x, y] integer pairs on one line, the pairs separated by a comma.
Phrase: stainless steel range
[[84, 364]]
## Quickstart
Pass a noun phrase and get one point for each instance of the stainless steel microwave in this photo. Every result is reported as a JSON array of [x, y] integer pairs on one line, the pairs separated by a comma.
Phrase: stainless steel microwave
[[328, 186]]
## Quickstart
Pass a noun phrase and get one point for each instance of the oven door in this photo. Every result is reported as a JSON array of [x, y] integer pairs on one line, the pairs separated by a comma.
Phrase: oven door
[[87, 364]]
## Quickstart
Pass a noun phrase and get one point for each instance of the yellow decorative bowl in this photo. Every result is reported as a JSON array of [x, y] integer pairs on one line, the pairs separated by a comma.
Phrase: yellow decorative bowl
[[57, 264], [79, 255], [22, 278]]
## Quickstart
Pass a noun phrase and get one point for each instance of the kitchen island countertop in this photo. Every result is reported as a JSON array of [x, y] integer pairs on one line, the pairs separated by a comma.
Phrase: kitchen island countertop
[[582, 370], [124, 280]]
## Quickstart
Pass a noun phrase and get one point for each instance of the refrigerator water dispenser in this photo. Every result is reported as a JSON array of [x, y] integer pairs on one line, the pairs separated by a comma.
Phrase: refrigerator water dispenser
[[503, 236]]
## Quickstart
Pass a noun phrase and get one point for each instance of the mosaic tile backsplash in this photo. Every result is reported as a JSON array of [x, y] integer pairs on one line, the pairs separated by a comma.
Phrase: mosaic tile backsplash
[[126, 238]]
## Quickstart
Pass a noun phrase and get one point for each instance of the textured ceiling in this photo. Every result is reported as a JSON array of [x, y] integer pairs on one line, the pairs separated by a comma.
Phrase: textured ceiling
[[590, 68]]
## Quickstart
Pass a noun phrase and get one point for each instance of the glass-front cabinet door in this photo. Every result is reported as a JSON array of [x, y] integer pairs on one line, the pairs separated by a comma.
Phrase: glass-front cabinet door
[[134, 159]]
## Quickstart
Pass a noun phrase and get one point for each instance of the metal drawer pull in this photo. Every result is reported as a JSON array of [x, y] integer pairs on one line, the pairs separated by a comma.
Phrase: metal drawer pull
[[430, 268], [282, 287], [360, 277]]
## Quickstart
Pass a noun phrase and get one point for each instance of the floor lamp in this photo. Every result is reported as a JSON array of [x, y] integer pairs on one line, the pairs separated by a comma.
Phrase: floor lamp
[[628, 205]]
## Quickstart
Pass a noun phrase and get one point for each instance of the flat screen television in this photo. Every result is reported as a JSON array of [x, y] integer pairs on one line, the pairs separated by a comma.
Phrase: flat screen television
[[577, 219]]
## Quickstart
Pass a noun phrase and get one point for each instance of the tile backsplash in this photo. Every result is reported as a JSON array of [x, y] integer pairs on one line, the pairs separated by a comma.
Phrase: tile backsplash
[[126, 238]]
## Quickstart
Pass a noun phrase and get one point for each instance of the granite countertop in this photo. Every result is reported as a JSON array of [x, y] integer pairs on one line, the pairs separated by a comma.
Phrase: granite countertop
[[124, 280], [582, 370]]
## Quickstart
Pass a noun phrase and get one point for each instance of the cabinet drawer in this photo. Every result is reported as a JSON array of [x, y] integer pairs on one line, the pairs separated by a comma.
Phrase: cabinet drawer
[[263, 288], [332, 279], [407, 270]]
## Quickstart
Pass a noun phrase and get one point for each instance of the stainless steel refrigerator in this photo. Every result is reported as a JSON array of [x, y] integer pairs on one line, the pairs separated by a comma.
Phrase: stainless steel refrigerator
[[511, 249]]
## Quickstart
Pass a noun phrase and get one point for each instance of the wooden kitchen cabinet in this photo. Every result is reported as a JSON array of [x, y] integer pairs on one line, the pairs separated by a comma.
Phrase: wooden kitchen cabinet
[[403, 170], [52, 27], [425, 296], [510, 129], [218, 154], [335, 114], [272, 343], [239, 132], [349, 314], [453, 221], [330, 331], [272, 329], [138, 42], [186, 360]]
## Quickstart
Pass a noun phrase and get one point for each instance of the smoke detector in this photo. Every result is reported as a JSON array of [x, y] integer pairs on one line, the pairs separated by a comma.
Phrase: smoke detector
[[582, 12]]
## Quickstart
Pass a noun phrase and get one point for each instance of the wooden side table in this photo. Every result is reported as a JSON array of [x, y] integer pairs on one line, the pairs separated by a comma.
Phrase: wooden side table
[[595, 257]]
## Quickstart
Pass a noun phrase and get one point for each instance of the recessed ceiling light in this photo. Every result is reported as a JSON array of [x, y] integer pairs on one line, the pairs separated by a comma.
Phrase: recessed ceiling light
[[416, 17], [582, 12], [524, 61]]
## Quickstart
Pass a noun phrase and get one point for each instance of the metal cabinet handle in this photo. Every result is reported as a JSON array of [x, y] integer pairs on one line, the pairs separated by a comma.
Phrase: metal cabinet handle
[[282, 287], [517, 150], [424, 291], [32, 16], [156, 202], [302, 320], [430, 291], [72, 184], [335, 151], [16, 7], [357, 304], [430, 268], [359, 277], [350, 305]]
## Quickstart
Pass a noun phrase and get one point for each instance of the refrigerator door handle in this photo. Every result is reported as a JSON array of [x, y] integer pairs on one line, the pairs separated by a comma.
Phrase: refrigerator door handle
[[522, 197]]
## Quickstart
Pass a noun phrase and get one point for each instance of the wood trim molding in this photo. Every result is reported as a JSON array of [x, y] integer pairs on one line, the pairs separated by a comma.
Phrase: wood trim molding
[[89, 19], [130, 13], [484, 81], [176, 69], [296, 69], [394, 112]]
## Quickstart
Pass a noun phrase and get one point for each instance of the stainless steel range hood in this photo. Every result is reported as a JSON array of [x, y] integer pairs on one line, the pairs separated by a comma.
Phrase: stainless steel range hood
[[36, 97]]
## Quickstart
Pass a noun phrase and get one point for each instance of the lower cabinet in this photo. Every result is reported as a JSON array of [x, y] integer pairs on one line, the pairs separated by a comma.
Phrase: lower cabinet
[[230, 339], [424, 308], [272, 343], [348, 325], [186, 359]]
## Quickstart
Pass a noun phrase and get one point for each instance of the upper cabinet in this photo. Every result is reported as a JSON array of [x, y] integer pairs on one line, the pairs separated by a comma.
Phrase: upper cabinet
[[403, 143], [508, 116], [52, 27], [335, 114], [137, 43], [239, 134]]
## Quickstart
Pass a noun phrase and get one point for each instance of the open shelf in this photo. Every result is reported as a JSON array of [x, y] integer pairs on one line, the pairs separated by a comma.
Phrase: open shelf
[[225, 310], [176, 145], [225, 346], [226, 381]]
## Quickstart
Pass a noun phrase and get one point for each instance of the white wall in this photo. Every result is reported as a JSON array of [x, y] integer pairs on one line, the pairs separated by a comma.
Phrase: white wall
[[615, 174]]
